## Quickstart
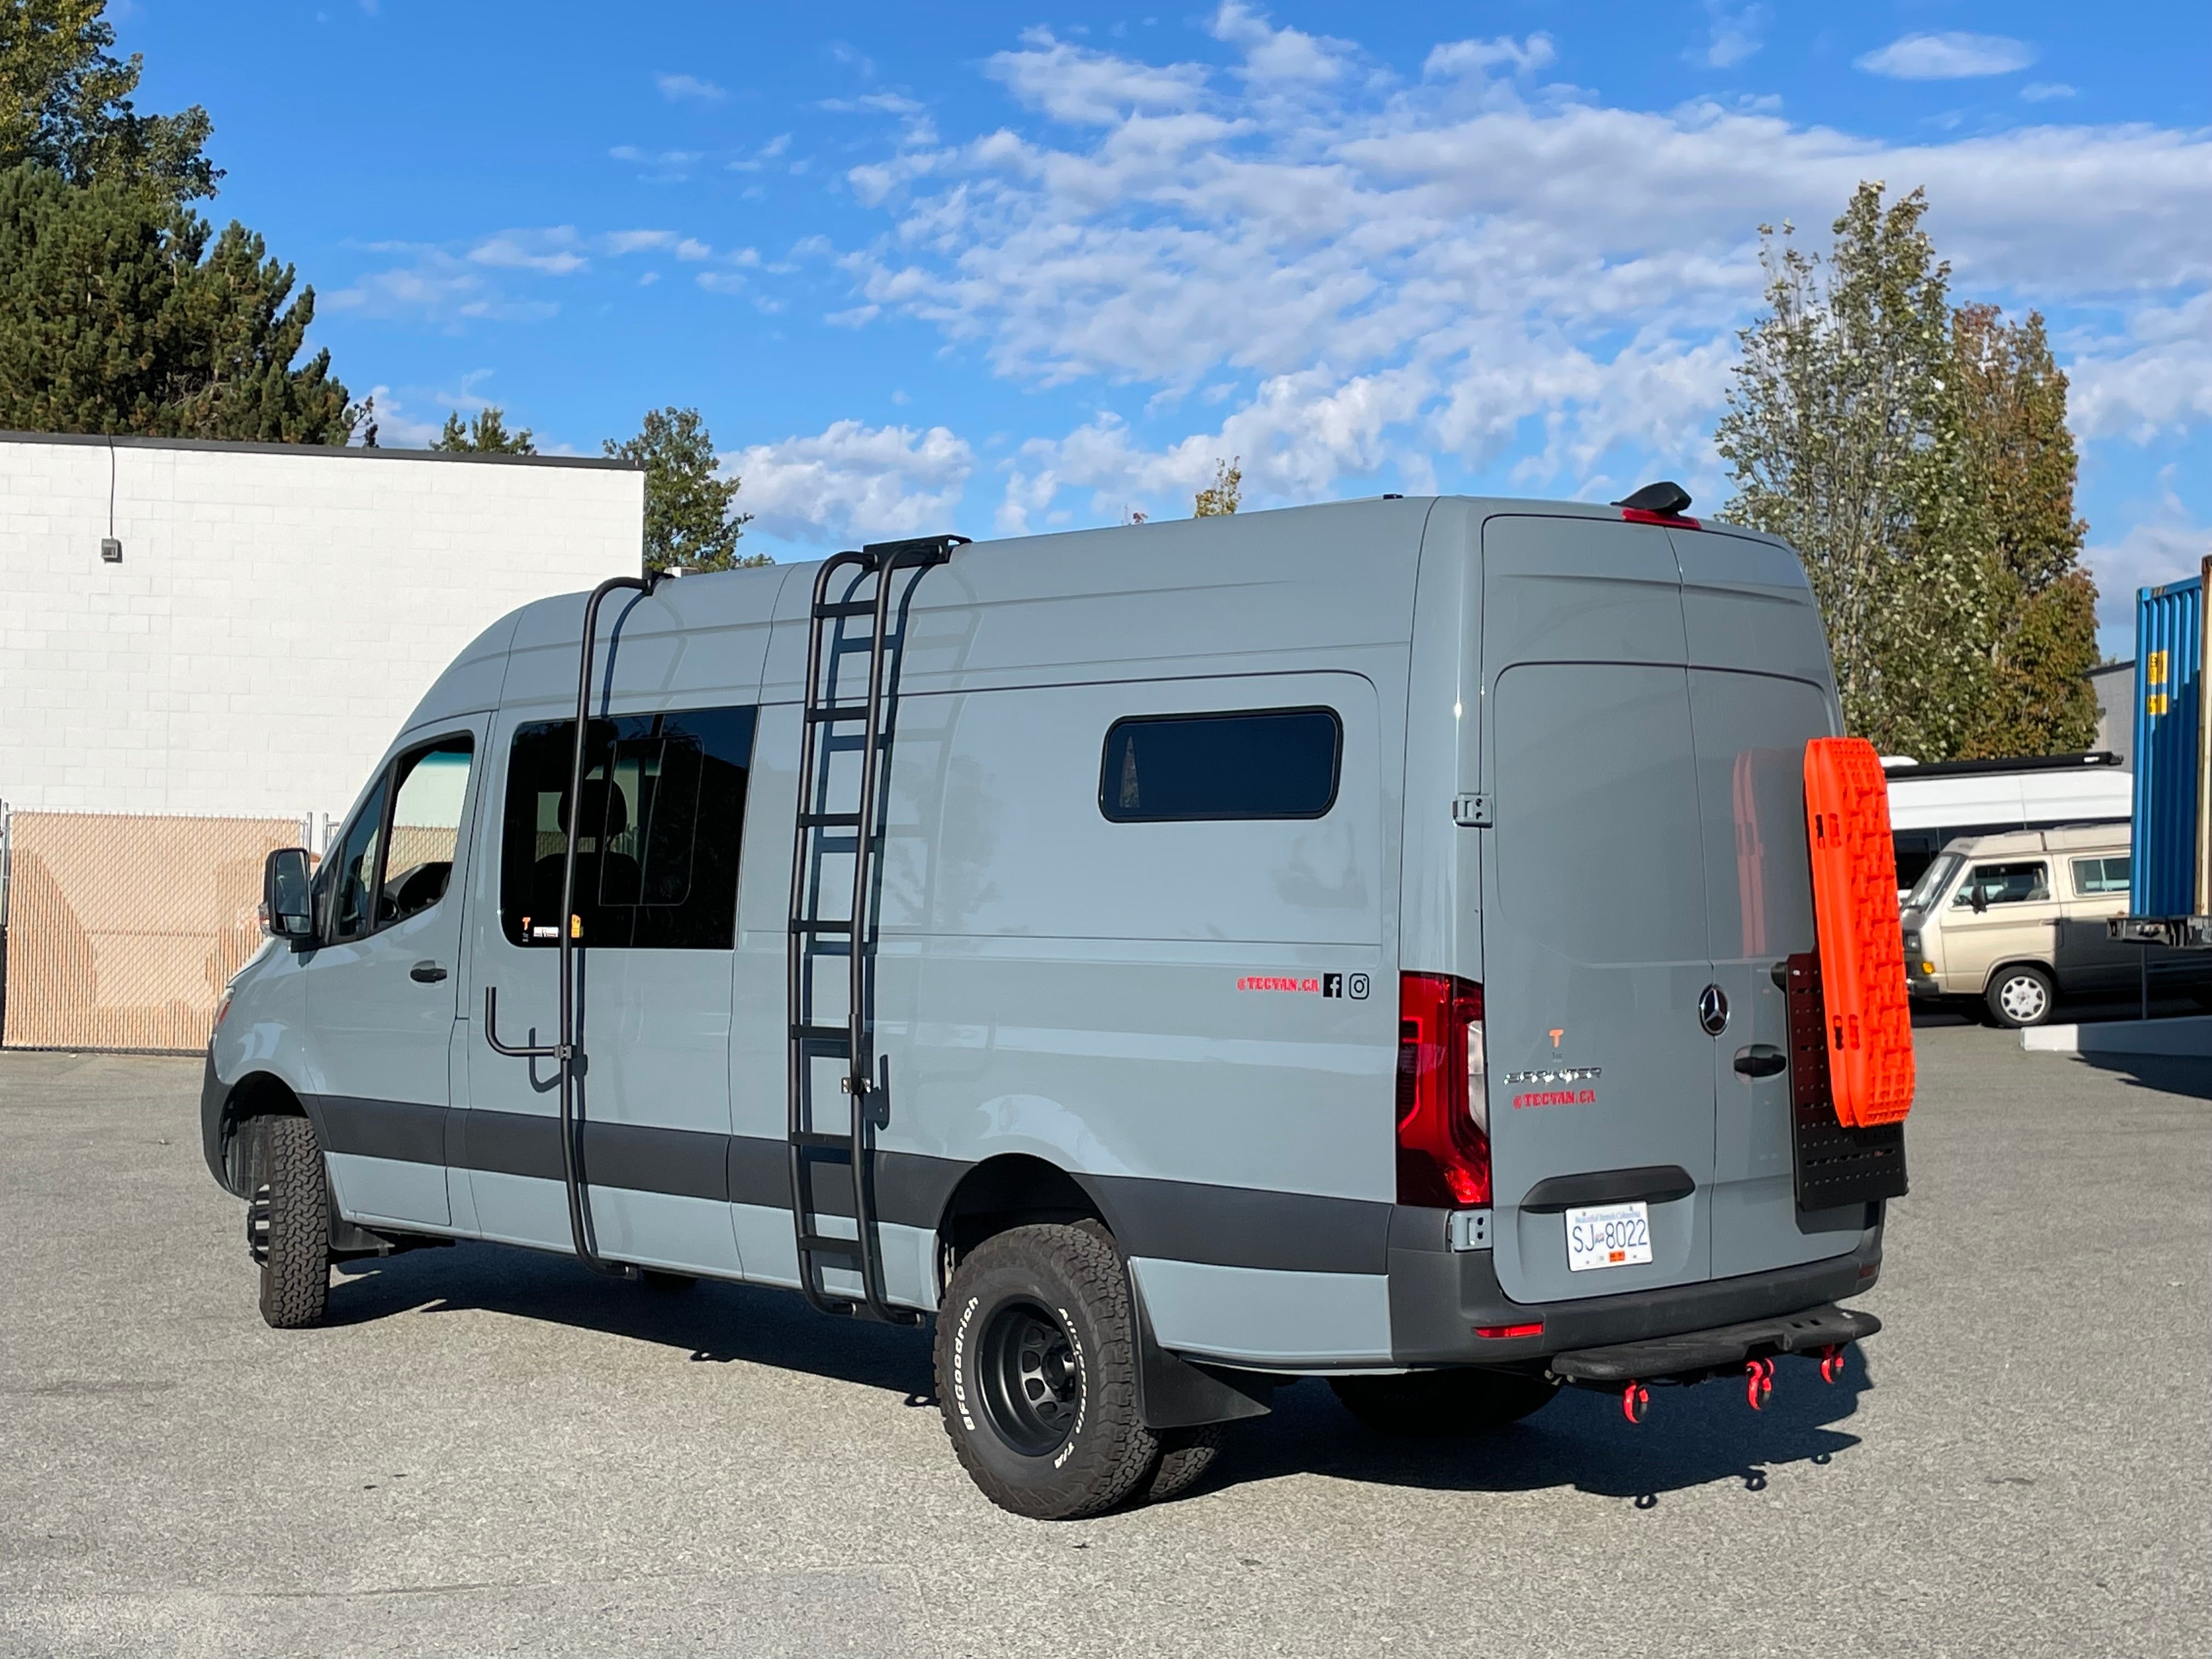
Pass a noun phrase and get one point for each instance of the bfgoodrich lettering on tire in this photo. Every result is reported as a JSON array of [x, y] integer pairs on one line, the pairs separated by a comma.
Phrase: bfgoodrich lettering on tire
[[1037, 1373], [288, 1226]]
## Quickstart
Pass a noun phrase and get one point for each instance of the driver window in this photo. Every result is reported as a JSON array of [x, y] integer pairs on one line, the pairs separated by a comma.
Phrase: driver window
[[426, 829], [2006, 883]]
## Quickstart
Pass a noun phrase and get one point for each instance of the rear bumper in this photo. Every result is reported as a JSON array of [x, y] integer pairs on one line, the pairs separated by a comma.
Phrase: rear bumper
[[1440, 1297], [1725, 1348]]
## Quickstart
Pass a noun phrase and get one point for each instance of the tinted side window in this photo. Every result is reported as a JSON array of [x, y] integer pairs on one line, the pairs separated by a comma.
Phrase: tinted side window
[[1271, 763], [662, 813]]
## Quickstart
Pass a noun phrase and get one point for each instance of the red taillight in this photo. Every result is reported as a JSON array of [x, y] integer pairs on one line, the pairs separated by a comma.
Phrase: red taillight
[[1644, 515], [1443, 1153], [1496, 1332]]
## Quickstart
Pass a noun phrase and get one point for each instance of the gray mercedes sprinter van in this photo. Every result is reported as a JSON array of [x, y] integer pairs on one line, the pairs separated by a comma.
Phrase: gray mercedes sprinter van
[[1354, 941]]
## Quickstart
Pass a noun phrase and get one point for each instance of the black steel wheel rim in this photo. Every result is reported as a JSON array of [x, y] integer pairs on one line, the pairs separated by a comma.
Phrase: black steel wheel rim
[[1029, 1379]]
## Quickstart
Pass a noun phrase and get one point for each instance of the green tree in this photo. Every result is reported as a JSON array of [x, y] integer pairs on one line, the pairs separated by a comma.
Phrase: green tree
[[486, 435], [690, 516], [2020, 470], [1846, 435], [65, 104], [121, 312], [1223, 495]]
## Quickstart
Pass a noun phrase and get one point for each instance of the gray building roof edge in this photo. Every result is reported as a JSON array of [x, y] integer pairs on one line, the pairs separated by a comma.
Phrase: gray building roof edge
[[350, 451]]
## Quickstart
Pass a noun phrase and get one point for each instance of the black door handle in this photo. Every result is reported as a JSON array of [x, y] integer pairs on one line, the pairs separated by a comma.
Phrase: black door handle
[[1761, 1060], [428, 972]]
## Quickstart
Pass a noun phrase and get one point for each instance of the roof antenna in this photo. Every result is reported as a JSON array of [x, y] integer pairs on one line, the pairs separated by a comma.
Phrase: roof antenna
[[1665, 496]]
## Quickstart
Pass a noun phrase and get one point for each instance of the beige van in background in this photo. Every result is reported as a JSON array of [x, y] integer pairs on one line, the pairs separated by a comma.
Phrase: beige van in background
[[2017, 919]]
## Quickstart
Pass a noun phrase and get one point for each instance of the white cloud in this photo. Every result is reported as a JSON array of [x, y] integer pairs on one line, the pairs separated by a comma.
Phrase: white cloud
[[1734, 34], [620, 243], [1456, 58], [678, 87], [436, 285], [853, 482], [2042, 92], [1391, 273], [1952, 54], [2156, 379], [553, 252], [2165, 546]]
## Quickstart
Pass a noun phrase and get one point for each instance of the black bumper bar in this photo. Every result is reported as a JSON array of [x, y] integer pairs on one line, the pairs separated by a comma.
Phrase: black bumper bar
[[1723, 1348]]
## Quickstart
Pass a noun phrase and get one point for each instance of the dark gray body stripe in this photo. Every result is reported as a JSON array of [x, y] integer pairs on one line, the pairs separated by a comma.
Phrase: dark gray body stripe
[[1176, 1220]]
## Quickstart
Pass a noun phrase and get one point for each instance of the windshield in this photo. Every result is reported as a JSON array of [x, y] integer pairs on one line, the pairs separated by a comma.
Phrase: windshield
[[1933, 880]]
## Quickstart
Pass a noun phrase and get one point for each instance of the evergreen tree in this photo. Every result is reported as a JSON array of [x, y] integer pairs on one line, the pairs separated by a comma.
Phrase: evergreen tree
[[2020, 469], [117, 315], [1846, 433], [691, 519], [1224, 494], [486, 435], [65, 104]]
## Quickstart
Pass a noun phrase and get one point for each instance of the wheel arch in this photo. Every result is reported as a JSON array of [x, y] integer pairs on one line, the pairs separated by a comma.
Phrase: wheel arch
[[1989, 980], [1011, 1190], [225, 1111]]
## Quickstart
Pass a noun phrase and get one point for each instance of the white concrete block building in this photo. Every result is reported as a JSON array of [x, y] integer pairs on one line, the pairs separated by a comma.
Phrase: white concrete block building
[[275, 613]]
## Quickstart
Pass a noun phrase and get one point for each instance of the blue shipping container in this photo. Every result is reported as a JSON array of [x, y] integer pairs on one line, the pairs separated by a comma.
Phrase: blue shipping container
[[2169, 680]]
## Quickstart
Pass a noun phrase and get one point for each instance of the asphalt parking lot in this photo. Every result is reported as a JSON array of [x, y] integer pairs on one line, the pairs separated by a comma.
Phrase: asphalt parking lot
[[489, 1451]]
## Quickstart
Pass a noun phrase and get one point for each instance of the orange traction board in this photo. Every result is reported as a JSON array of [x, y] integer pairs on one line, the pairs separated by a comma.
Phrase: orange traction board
[[1862, 949]]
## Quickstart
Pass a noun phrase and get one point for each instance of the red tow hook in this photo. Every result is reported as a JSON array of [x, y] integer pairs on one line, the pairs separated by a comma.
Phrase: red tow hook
[[1832, 1364], [1635, 1402], [1759, 1381]]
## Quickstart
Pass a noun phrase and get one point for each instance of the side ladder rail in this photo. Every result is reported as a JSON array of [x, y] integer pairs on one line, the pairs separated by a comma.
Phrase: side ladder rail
[[809, 1040]]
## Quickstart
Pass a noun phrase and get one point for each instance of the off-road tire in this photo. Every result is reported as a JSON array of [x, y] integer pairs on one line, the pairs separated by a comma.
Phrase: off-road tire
[[1442, 1404], [1044, 1278], [2013, 997], [295, 1252], [1185, 1457]]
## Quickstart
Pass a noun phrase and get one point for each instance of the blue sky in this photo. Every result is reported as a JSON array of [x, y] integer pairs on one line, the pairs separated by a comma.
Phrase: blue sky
[[995, 268]]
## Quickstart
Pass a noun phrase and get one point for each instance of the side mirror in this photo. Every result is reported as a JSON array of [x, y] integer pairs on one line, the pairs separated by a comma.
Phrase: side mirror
[[287, 905], [1980, 899]]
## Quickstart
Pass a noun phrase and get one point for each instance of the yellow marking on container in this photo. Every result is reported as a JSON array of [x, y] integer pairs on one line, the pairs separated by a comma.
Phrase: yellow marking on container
[[2154, 704], [2154, 669]]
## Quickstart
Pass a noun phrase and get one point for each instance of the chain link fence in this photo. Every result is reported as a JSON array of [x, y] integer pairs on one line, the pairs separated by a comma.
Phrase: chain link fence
[[121, 929]]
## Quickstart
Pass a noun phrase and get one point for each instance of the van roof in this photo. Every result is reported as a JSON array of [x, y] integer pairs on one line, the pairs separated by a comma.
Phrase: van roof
[[2069, 838]]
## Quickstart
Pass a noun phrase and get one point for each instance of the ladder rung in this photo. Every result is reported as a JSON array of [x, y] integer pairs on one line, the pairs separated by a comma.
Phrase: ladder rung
[[820, 926], [821, 1140], [821, 1033], [829, 820], [845, 608], [823, 1244], [840, 711]]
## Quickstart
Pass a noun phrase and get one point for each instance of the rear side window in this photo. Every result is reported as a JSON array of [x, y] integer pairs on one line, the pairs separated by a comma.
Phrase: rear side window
[[2095, 878], [659, 830], [1258, 763]]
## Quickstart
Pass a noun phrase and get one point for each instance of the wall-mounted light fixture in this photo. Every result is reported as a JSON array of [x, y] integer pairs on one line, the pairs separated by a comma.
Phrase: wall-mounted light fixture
[[110, 549]]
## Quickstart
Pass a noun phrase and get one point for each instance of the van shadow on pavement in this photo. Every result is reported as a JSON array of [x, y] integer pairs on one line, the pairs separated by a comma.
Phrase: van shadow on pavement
[[1693, 1437], [2167, 1075]]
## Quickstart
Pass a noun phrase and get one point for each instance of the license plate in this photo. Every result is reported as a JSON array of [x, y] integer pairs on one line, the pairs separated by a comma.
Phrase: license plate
[[1609, 1236]]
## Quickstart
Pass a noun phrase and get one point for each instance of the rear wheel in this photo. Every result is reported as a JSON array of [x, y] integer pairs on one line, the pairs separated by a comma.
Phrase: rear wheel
[[1437, 1405], [287, 1224], [2022, 994], [1037, 1373], [1185, 1457]]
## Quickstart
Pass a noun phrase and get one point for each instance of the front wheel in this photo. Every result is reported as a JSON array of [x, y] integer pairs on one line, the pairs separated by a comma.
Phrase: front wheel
[[288, 1226], [1440, 1405], [2022, 994], [1037, 1373]]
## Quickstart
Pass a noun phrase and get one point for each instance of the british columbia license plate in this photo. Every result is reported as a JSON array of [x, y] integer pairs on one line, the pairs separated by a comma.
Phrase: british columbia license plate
[[1609, 1236]]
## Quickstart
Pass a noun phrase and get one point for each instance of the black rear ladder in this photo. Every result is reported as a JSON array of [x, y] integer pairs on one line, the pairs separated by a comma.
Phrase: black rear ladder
[[822, 831]]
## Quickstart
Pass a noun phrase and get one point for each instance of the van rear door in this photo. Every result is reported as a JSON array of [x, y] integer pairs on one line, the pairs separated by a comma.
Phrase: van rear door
[[1594, 928], [1759, 693]]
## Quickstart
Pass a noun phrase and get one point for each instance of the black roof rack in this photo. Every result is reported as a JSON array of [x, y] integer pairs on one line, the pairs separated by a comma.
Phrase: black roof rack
[[1967, 769]]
